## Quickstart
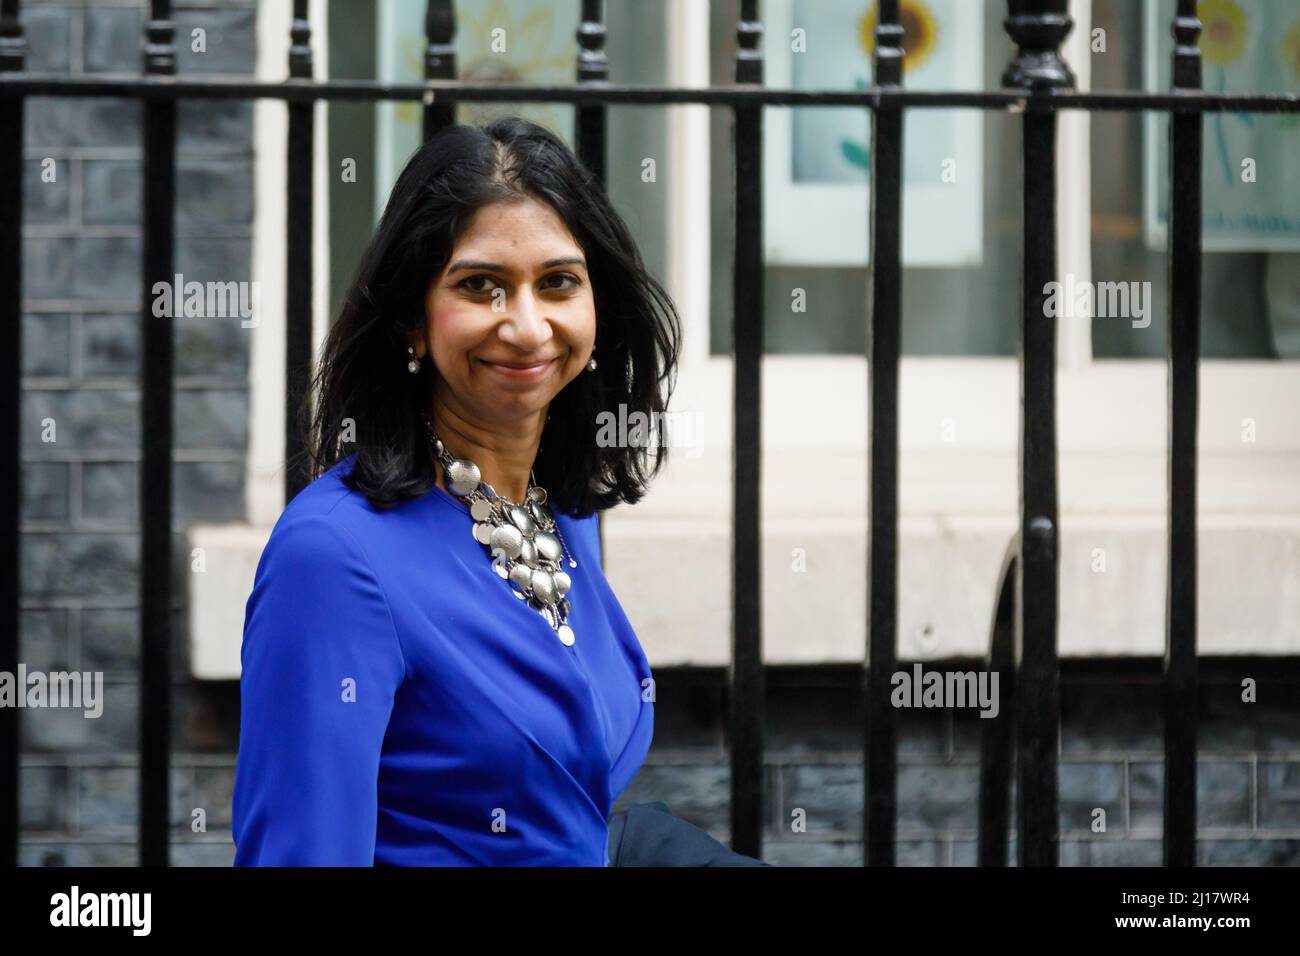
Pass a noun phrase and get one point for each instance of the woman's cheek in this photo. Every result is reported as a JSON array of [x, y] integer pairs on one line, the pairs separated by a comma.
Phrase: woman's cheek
[[452, 319]]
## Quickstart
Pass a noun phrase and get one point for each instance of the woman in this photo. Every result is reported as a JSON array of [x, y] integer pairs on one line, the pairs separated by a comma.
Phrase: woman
[[435, 670]]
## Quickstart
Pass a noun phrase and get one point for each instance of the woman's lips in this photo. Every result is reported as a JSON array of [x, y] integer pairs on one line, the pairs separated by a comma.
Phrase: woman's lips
[[520, 373]]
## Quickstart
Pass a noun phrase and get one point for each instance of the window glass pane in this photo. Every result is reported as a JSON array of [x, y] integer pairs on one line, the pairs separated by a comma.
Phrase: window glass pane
[[1249, 287], [949, 307], [524, 41], [528, 41]]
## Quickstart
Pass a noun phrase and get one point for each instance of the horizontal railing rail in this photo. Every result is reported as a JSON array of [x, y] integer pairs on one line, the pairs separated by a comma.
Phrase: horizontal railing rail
[[432, 92]]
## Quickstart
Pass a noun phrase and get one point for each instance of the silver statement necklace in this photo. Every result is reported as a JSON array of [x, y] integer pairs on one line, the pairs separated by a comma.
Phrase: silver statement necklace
[[524, 539]]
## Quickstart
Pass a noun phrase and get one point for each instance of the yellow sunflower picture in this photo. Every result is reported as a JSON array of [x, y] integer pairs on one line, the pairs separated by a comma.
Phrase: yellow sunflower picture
[[920, 32], [1291, 49], [536, 52], [1223, 31]]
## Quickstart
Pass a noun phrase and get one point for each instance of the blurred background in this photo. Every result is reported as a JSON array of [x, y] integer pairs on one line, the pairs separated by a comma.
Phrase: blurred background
[[668, 558]]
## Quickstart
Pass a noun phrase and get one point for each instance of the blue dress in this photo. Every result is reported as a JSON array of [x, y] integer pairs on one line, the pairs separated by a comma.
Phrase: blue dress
[[400, 706]]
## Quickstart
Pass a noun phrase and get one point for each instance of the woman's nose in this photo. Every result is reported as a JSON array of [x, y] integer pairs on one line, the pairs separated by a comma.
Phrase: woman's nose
[[525, 325]]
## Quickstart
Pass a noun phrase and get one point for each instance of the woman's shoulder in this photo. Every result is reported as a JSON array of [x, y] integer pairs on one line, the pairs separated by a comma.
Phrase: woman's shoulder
[[586, 528], [324, 518], [323, 494], [329, 495]]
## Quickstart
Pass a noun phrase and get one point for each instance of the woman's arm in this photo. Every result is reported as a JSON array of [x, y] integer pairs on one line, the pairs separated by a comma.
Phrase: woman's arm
[[321, 664]]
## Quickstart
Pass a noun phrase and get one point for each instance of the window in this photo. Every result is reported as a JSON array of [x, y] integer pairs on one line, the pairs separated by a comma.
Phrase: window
[[959, 376]]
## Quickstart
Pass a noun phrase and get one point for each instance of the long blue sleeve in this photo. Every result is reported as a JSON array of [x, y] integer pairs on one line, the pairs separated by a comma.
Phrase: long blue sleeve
[[321, 666], [402, 707]]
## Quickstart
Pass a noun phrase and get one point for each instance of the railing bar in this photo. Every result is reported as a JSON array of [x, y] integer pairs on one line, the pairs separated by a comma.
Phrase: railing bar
[[11, 352], [747, 679], [997, 732], [224, 87], [1184, 340], [884, 332], [1038, 28], [299, 266], [591, 122], [156, 585], [1037, 583], [439, 61]]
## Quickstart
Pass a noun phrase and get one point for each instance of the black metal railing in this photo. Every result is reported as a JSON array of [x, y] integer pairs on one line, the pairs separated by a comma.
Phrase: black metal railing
[[1037, 85]]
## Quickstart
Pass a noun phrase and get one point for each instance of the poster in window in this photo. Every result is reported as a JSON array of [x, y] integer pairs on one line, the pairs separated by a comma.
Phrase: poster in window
[[1250, 175], [817, 160], [523, 41]]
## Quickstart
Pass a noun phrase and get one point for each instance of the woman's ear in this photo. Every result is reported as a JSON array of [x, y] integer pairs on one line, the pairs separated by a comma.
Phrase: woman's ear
[[416, 341]]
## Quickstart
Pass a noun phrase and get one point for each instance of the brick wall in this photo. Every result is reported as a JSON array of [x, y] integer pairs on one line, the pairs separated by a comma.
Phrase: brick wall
[[81, 362], [1111, 757]]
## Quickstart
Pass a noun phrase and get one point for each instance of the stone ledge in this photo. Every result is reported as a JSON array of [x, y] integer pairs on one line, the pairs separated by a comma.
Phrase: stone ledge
[[678, 598]]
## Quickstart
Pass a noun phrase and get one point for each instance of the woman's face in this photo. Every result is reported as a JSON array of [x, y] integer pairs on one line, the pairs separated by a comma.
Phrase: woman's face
[[512, 319]]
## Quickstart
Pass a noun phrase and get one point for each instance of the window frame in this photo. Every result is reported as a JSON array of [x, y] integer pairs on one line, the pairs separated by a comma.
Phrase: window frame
[[958, 449]]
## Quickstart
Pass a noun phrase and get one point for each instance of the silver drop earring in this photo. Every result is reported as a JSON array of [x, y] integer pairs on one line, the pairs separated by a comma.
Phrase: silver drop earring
[[413, 366], [591, 366]]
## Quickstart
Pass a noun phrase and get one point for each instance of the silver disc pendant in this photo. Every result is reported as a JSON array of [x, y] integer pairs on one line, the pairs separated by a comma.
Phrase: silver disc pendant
[[480, 510], [521, 575], [565, 634], [537, 494], [462, 477], [509, 539], [483, 533], [548, 546], [522, 520], [544, 587]]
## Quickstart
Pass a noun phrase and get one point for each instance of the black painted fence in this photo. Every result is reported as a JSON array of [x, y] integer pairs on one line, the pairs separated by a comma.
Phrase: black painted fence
[[1037, 84]]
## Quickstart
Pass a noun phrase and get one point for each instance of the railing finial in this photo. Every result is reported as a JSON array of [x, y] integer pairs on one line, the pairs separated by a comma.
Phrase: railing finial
[[300, 60], [439, 63], [439, 37], [593, 64], [591, 122], [1038, 27], [159, 39], [887, 58], [13, 48], [749, 58], [1186, 31]]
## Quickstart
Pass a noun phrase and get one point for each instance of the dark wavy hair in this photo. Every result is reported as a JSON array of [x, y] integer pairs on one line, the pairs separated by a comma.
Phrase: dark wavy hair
[[362, 372]]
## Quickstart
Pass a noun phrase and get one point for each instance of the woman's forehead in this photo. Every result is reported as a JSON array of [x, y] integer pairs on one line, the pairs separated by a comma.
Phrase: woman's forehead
[[515, 237]]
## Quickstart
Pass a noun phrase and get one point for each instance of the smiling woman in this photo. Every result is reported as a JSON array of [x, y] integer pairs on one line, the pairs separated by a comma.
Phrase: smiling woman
[[496, 246], [509, 323], [405, 700]]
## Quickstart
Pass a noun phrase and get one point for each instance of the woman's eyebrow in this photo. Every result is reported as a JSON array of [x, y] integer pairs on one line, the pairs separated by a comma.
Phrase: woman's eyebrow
[[463, 264]]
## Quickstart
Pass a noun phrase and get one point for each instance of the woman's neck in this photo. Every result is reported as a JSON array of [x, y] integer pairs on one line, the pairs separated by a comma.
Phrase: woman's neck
[[504, 456]]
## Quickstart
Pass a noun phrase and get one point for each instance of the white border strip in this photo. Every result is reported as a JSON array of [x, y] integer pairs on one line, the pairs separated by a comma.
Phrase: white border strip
[[264, 475]]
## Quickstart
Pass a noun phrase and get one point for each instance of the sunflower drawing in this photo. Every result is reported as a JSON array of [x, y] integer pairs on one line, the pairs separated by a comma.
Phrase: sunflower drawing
[[920, 37], [1223, 41], [537, 52], [920, 32], [1223, 31], [1291, 49]]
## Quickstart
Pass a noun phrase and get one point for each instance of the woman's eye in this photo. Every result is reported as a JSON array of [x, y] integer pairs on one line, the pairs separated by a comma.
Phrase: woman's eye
[[467, 287], [560, 281]]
